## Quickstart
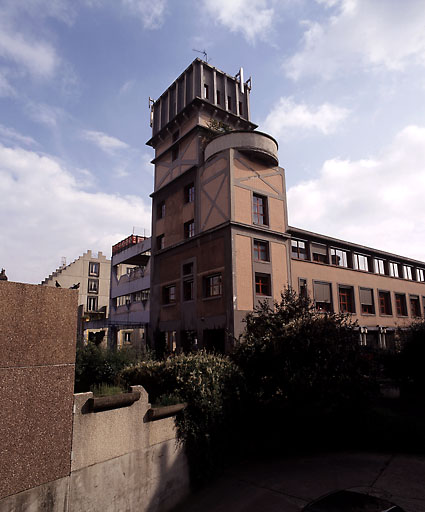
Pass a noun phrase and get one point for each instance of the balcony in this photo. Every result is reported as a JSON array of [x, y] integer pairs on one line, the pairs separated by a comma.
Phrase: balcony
[[126, 243]]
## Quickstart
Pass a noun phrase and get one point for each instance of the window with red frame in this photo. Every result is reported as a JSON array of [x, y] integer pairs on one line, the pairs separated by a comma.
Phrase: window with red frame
[[261, 250], [400, 304], [262, 284], [415, 306], [346, 299], [385, 303], [259, 210]]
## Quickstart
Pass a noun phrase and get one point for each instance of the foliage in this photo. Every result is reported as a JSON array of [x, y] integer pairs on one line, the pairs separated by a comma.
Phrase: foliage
[[95, 365], [211, 385], [410, 367], [106, 390], [218, 126], [293, 355]]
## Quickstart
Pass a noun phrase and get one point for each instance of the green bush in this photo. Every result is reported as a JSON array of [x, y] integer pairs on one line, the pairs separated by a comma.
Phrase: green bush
[[211, 385], [410, 367]]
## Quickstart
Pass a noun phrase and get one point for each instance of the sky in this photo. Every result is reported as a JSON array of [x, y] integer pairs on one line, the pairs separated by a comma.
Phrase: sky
[[340, 84]]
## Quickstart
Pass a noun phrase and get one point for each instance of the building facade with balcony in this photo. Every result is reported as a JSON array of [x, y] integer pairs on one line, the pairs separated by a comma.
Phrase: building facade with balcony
[[129, 293], [220, 235]]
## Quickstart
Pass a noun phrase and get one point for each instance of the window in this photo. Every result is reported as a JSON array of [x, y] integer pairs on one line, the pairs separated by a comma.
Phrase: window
[[218, 98], [229, 103], [261, 250], [189, 193], [174, 153], [127, 337], [407, 272], [123, 300], [91, 303], [93, 286], [319, 253], [339, 257], [393, 269], [302, 284], [385, 303], [259, 210], [420, 275], [361, 262], [160, 241], [322, 296], [213, 286], [415, 306], [262, 284], [299, 249], [400, 304], [240, 109], [188, 289], [206, 91], [93, 268], [169, 294], [188, 269], [141, 296], [346, 299], [379, 266], [161, 210], [366, 301], [176, 135], [189, 229]]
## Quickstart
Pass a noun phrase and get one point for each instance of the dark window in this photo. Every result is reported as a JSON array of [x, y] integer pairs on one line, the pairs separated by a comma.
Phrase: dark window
[[218, 98], [319, 253], [189, 193], [361, 262], [400, 304], [322, 296], [188, 289], [240, 109], [262, 284], [160, 242], [93, 268], [346, 299], [229, 103], [127, 337], [261, 250], [259, 210], [206, 92], [161, 210], [189, 229], [176, 135], [339, 258], [169, 294], [188, 269], [415, 306], [385, 303], [174, 153], [302, 283], [366, 301], [299, 249], [93, 286], [213, 286], [91, 303]]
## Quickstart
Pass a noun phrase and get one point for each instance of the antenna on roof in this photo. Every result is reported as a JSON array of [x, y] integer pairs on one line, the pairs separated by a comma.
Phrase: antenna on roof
[[151, 102], [204, 53]]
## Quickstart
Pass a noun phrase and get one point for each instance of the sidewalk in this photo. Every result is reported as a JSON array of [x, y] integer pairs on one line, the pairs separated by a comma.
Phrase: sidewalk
[[288, 484]]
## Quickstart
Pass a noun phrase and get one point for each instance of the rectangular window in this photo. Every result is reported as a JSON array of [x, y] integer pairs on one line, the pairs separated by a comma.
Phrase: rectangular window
[[160, 241], [400, 304], [322, 296], [161, 210], [188, 269], [299, 249], [91, 303], [339, 257], [385, 303], [189, 229], [319, 253], [420, 276], [262, 284], [213, 285], [366, 301], [127, 337], [393, 269], [229, 103], [175, 153], [261, 250], [188, 289], [206, 92], [218, 98], [361, 262], [189, 193], [346, 299], [259, 210], [415, 306], [93, 286], [93, 268], [379, 266], [302, 284], [407, 272], [240, 109], [169, 294]]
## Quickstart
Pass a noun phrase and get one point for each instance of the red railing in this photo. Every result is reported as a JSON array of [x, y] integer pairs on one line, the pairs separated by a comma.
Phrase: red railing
[[127, 242]]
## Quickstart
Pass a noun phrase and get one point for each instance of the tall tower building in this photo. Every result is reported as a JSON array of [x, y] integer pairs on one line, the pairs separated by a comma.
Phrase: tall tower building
[[219, 218]]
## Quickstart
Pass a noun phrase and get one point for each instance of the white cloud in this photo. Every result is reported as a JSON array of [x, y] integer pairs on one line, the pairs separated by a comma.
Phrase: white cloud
[[288, 116], [104, 142], [362, 35], [44, 114], [377, 201], [150, 12], [12, 135], [126, 87], [47, 214], [253, 18]]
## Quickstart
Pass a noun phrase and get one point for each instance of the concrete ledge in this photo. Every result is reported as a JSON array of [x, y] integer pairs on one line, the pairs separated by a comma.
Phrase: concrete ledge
[[158, 413]]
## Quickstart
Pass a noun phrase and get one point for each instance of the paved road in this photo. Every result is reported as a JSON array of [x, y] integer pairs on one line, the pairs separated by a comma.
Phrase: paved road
[[288, 484]]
